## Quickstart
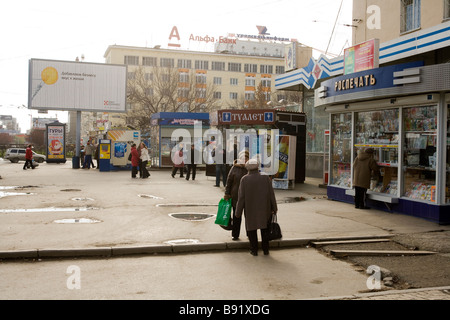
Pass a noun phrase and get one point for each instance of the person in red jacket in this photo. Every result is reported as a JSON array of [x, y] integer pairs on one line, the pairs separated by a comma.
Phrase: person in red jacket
[[28, 158], [134, 160]]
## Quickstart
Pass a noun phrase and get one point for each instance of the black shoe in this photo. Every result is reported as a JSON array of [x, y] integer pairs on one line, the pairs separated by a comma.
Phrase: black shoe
[[253, 253], [266, 253], [366, 208], [172, 176], [235, 238]]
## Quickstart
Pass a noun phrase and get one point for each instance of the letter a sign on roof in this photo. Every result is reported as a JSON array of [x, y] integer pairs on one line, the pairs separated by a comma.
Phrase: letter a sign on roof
[[174, 34]]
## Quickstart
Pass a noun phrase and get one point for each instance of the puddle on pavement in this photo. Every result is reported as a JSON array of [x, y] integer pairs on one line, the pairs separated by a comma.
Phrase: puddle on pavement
[[77, 220], [177, 205], [149, 196], [292, 200], [82, 199], [191, 216], [10, 194], [182, 241], [50, 209], [70, 190]]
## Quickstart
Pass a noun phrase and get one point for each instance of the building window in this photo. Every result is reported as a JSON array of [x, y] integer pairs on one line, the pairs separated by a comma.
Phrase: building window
[[250, 82], [217, 95], [200, 78], [183, 92], [253, 68], [201, 65], [218, 66], [131, 75], [131, 60], [148, 77], [149, 61], [235, 67], [234, 81], [184, 63], [446, 9], [167, 63], [184, 77], [250, 96], [266, 83], [233, 95], [279, 70], [266, 69], [410, 19], [218, 80]]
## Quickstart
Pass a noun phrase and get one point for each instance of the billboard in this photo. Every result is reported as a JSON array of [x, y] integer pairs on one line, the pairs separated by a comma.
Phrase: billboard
[[76, 86], [364, 56]]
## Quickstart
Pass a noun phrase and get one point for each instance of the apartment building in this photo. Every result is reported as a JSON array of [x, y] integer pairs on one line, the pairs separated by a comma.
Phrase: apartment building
[[387, 19], [235, 77]]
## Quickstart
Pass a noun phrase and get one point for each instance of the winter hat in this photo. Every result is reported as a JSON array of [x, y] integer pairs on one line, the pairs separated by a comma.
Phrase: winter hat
[[252, 164]]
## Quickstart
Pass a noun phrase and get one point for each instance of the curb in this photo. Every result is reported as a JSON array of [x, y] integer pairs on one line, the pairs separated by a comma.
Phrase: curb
[[159, 249]]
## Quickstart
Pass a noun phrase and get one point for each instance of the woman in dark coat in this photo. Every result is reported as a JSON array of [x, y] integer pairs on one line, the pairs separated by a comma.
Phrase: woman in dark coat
[[257, 200], [363, 166], [232, 189], [134, 160]]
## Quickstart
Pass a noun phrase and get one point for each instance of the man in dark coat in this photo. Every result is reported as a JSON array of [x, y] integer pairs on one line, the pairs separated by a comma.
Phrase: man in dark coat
[[232, 189], [257, 200], [363, 166]]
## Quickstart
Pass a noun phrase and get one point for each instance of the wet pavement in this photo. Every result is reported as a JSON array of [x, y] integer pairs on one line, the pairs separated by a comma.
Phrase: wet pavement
[[162, 213]]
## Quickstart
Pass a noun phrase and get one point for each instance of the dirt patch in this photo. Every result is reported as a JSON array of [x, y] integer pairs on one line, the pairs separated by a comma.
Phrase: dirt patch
[[406, 271]]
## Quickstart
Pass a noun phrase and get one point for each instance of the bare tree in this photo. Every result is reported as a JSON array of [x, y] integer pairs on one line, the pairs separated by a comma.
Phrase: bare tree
[[167, 89]]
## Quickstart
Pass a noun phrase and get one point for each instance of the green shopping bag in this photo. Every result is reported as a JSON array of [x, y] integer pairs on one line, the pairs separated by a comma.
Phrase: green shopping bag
[[224, 212]]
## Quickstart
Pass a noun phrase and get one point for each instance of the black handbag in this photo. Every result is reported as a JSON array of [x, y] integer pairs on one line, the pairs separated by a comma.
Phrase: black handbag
[[229, 227], [274, 230]]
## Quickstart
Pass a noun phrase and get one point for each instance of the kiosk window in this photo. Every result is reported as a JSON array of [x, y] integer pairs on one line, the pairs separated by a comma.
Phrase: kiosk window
[[420, 149], [379, 130], [447, 189], [341, 139]]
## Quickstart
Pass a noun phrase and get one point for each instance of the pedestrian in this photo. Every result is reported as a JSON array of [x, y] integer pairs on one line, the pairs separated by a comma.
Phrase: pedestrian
[[191, 165], [235, 175], [134, 161], [28, 157], [145, 158], [363, 167], [256, 199], [89, 151], [220, 156], [178, 161]]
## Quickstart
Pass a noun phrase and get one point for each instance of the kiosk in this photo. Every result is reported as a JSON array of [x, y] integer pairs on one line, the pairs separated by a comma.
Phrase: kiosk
[[291, 140], [402, 112], [163, 125], [120, 148]]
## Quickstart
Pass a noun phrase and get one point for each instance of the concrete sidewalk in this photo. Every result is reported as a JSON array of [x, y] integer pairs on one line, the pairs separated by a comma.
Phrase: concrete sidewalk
[[133, 216]]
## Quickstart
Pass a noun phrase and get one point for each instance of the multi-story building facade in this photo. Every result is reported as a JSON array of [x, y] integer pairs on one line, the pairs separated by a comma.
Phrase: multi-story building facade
[[387, 20], [235, 77]]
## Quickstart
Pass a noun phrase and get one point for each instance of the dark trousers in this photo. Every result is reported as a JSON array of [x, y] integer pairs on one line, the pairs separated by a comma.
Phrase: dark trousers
[[143, 172], [175, 169], [193, 168], [134, 171], [236, 225], [360, 197], [221, 170], [28, 162], [253, 237]]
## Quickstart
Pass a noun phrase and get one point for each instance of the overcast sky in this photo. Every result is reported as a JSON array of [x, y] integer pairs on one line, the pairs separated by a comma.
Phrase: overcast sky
[[64, 30]]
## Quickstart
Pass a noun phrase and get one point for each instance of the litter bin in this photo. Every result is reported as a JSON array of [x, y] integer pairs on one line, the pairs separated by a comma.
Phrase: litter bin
[[75, 162]]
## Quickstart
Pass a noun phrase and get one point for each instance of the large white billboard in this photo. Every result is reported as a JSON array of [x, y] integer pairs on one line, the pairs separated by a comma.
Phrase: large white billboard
[[77, 86]]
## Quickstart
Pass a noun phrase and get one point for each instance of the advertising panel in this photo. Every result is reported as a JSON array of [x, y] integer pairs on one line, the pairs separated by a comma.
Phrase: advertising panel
[[55, 143], [76, 86], [364, 56]]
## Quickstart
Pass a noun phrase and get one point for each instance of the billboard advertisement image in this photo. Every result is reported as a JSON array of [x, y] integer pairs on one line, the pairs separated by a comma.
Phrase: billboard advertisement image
[[76, 86]]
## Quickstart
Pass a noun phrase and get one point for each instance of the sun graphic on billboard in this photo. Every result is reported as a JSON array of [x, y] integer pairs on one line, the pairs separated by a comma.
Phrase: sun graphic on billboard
[[49, 75]]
